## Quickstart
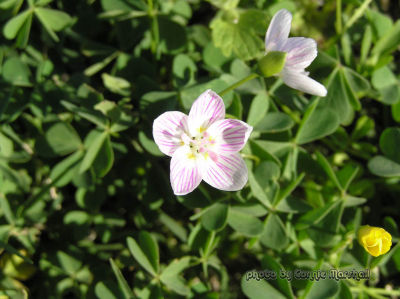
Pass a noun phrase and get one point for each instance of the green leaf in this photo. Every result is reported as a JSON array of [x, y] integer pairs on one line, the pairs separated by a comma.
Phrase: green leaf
[[328, 169], [315, 216], [363, 126], [292, 205], [172, 35], [170, 276], [14, 25], [382, 166], [149, 145], [274, 235], [178, 285], [150, 248], [383, 77], [389, 143], [109, 109], [236, 38], [60, 139], [386, 82], [258, 192], [93, 150], [190, 94], [390, 94], [225, 4], [324, 288], [175, 267], [42, 2], [357, 85], [184, 70], [143, 258], [389, 41], [258, 108], [64, 171], [270, 263], [77, 217], [104, 159], [366, 44], [6, 209], [325, 232], [107, 290], [274, 122], [174, 226], [215, 217], [267, 171], [337, 98], [256, 289], [93, 69], [285, 192], [123, 285], [116, 84], [16, 72], [253, 209], [54, 19], [351, 201], [91, 115], [244, 223], [396, 111], [317, 123], [69, 263], [122, 5], [275, 149], [346, 175], [213, 56], [23, 34]]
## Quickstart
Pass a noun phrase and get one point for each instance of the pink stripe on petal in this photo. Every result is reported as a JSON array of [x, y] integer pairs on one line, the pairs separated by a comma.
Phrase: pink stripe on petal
[[230, 134], [301, 52], [168, 129], [185, 173], [229, 173], [207, 109]]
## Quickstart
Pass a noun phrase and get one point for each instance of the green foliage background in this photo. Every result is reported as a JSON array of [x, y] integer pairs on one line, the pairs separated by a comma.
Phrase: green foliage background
[[86, 207]]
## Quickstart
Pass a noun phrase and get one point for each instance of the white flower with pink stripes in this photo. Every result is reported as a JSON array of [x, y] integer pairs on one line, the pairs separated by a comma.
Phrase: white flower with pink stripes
[[300, 52], [203, 145]]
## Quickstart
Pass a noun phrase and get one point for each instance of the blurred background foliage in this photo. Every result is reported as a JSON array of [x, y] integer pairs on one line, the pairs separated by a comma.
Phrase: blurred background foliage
[[86, 207]]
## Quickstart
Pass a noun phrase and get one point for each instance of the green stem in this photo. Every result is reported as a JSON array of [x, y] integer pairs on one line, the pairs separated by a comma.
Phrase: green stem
[[339, 17], [251, 157], [237, 84], [368, 265], [154, 27]]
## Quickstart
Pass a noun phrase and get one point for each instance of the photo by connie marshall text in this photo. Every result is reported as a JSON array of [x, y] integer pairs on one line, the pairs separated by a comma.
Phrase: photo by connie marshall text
[[317, 275]]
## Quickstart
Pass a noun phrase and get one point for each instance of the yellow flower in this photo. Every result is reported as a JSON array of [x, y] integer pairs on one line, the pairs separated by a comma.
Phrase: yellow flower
[[375, 240]]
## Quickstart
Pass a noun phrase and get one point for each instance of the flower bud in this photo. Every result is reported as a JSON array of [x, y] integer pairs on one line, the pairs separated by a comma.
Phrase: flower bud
[[375, 240], [272, 63]]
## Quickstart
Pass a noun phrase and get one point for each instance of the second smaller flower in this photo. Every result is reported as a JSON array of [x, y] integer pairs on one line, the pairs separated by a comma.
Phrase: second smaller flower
[[300, 52]]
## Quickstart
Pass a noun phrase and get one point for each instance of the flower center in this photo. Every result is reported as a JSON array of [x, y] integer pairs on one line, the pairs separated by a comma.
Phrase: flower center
[[199, 145]]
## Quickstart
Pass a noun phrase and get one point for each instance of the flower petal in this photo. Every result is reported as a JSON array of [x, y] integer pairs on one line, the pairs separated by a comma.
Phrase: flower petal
[[226, 172], [278, 31], [168, 129], [301, 52], [207, 109], [299, 80], [230, 134], [185, 172]]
